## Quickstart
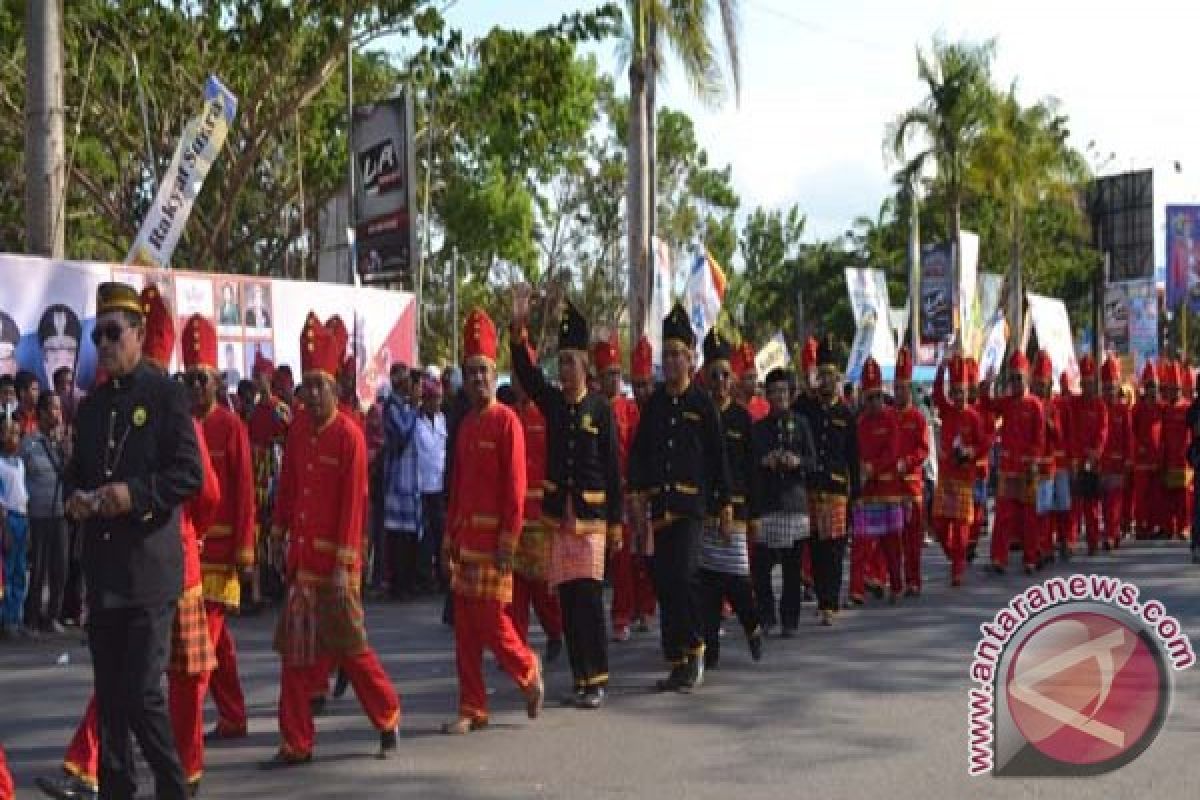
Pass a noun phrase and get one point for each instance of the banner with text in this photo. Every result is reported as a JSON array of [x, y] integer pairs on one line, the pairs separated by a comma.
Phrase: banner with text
[[937, 293], [1053, 328], [1183, 256]]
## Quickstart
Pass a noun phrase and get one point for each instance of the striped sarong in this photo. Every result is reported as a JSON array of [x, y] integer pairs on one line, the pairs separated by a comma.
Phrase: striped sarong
[[827, 513], [782, 529], [878, 518], [954, 500], [192, 650], [320, 620], [727, 555]]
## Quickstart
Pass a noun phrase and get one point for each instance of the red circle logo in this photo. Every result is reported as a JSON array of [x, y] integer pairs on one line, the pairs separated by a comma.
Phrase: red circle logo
[[1086, 688]]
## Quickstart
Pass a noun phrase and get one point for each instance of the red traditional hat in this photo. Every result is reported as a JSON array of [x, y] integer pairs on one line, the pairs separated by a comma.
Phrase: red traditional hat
[[1043, 368], [641, 366], [959, 374], [1110, 370], [904, 366], [872, 377], [808, 355], [971, 370], [607, 355], [1168, 374], [743, 359], [199, 343], [1149, 374], [262, 366], [320, 349], [160, 327], [1018, 362], [1064, 383], [1087, 367], [282, 379], [479, 336], [339, 331]]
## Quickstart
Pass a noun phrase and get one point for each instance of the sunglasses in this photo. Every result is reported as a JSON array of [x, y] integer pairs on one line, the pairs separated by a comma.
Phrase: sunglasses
[[196, 378], [112, 333]]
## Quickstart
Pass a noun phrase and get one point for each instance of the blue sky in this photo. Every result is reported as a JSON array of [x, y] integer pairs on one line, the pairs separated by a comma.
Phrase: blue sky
[[822, 79]]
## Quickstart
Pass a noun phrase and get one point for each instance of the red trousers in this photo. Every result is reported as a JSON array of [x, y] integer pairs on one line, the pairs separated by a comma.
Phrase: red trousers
[[955, 537], [225, 684], [528, 592], [1175, 519], [185, 705], [913, 540], [1018, 520], [1148, 501], [864, 555], [1085, 517], [1113, 507], [6, 783], [633, 589], [481, 623], [299, 684]]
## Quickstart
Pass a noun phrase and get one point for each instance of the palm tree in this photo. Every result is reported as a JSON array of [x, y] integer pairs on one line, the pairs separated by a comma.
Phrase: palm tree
[[683, 25], [1022, 159], [948, 121]]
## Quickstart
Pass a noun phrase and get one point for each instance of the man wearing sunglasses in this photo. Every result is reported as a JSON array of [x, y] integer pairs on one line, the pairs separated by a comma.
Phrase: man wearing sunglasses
[[136, 462], [229, 542]]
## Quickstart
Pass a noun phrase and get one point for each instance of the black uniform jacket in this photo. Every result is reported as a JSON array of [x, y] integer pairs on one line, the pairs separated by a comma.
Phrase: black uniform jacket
[[835, 434]]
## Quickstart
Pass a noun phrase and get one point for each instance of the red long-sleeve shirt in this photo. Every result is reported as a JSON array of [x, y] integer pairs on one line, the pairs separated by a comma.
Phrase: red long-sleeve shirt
[[1087, 433], [626, 416], [229, 540], [1176, 435], [1022, 432], [913, 448], [197, 514], [1118, 445], [1147, 436], [879, 455], [534, 426]]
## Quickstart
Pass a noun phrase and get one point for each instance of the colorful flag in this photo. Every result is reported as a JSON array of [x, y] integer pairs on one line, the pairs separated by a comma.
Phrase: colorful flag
[[702, 293]]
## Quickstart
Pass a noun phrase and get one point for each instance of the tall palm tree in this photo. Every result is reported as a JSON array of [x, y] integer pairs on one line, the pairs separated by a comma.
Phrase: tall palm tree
[[1022, 159], [683, 25], [947, 122]]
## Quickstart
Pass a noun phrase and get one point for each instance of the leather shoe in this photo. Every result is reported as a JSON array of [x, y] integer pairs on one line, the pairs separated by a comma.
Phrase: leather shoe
[[283, 760], [463, 725], [535, 695], [387, 743], [66, 787], [219, 734], [592, 698]]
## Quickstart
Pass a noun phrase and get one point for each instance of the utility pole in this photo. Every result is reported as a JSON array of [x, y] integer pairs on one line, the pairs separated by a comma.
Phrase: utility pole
[[914, 273], [45, 162]]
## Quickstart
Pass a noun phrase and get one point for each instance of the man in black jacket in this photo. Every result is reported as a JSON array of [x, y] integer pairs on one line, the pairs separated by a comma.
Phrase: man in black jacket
[[678, 468], [135, 462]]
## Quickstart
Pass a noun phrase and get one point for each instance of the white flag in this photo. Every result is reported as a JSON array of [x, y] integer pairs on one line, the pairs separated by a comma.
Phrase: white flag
[[703, 300]]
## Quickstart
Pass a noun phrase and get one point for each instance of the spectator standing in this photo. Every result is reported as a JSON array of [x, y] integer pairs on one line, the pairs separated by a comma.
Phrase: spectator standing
[[401, 499], [26, 384], [44, 454], [431, 436], [14, 528]]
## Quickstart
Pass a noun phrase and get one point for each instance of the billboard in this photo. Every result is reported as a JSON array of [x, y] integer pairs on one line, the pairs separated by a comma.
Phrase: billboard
[[1183, 257], [1121, 211], [937, 292], [384, 189], [872, 316], [1131, 321], [48, 310]]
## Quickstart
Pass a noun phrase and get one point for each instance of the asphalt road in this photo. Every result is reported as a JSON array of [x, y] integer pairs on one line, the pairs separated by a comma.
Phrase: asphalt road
[[874, 707]]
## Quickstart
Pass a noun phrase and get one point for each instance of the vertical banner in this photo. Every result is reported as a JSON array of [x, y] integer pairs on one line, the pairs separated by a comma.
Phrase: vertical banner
[[968, 295], [1183, 256], [384, 190], [772, 355], [1053, 328], [662, 284], [995, 341], [1131, 322], [201, 143], [872, 311], [937, 293], [705, 291]]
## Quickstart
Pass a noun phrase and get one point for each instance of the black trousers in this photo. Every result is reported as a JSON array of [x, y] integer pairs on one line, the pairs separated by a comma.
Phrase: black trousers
[[433, 518], [47, 570], [827, 557], [719, 587], [129, 655], [73, 591], [403, 556], [585, 630], [676, 567], [762, 565]]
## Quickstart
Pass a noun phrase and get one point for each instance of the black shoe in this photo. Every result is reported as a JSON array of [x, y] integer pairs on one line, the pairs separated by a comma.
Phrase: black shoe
[[1106, 546], [971, 553], [756, 646], [282, 760], [591, 698], [340, 685], [694, 677], [571, 698], [676, 680], [194, 788], [876, 591], [1028, 569], [387, 743], [317, 704], [553, 650], [998, 570], [788, 631], [67, 787]]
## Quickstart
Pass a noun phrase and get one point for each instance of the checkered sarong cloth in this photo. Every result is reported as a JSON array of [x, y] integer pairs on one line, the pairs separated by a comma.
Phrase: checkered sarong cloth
[[320, 620], [782, 529], [877, 518], [575, 556], [954, 501], [478, 577], [533, 551], [192, 650], [1014, 486], [727, 555], [827, 513]]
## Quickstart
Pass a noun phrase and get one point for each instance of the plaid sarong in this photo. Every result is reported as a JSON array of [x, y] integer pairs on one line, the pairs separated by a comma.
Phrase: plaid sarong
[[954, 500], [878, 518], [727, 555], [1177, 477], [192, 650], [782, 529], [320, 620], [1019, 487], [574, 556], [475, 575], [827, 512], [533, 551]]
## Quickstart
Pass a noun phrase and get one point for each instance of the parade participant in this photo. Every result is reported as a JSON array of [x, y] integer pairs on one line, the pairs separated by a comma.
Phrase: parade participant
[[725, 558], [487, 487], [626, 592], [633, 585], [1176, 435], [745, 368], [1146, 420], [1117, 453], [678, 469], [913, 447], [834, 483], [532, 558], [959, 442], [320, 508], [136, 461], [1021, 441], [6, 782], [807, 383], [641, 372], [1087, 436], [229, 542], [1053, 495], [783, 456], [267, 429], [583, 503], [879, 513], [983, 456]]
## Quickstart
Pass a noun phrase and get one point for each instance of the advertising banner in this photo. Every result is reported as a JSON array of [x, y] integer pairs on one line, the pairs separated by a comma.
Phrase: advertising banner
[[384, 189], [937, 293], [1183, 256], [1053, 328]]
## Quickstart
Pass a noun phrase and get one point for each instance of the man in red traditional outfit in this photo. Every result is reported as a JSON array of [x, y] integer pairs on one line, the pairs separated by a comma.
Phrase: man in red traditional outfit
[[229, 542], [913, 445], [960, 440], [1147, 417], [483, 524], [267, 428], [745, 367], [1117, 453], [1176, 436], [320, 507], [1022, 440], [1086, 440]]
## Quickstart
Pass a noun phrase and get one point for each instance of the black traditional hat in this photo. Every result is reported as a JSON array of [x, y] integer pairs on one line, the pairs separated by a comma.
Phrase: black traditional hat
[[827, 357], [678, 326], [716, 347], [113, 296], [573, 333]]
